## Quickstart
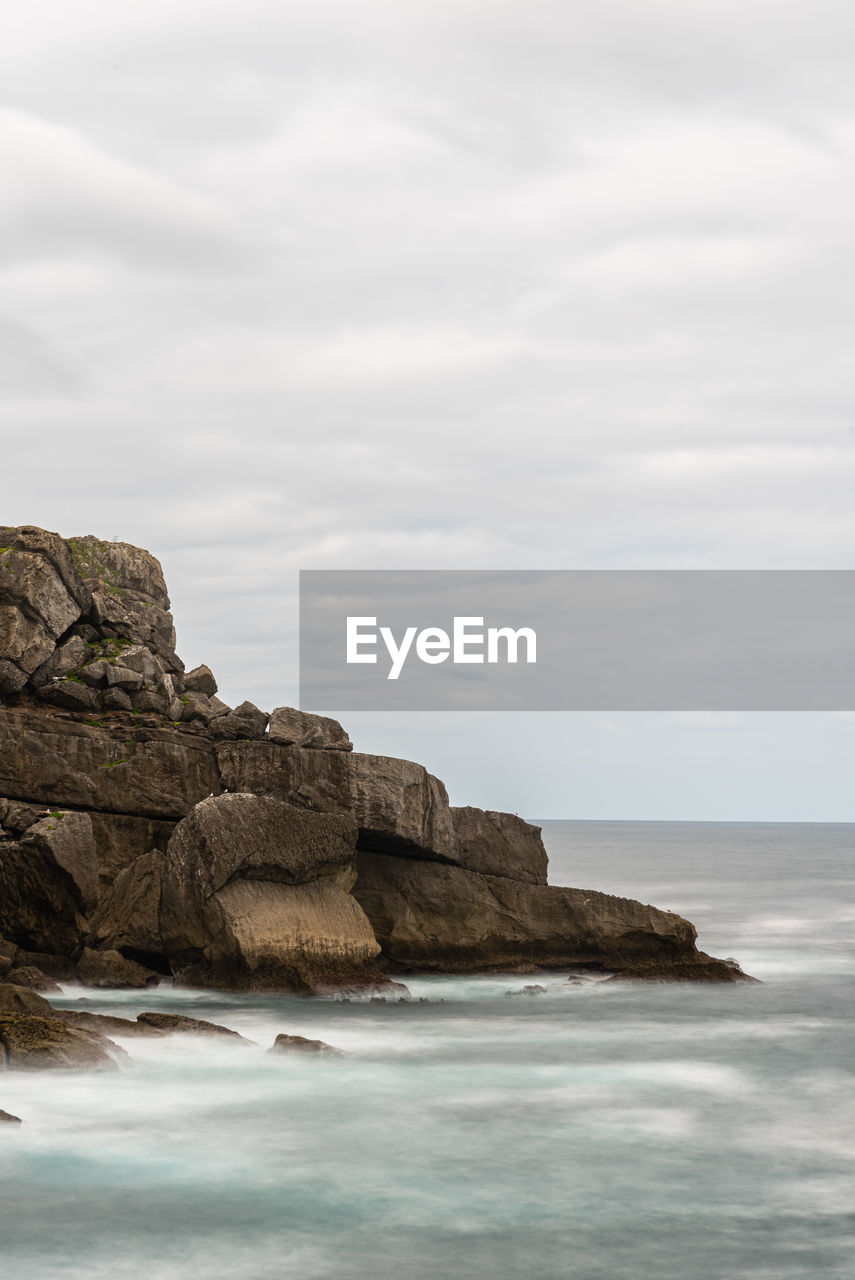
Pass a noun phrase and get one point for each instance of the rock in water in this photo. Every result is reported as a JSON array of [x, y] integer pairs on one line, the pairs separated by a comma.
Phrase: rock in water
[[33, 1044], [166, 1022], [299, 1044], [443, 919], [6, 1118], [255, 895]]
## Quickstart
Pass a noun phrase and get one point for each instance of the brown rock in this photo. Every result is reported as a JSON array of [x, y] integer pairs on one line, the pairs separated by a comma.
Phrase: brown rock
[[440, 918], [245, 722], [299, 1044], [128, 915], [200, 680], [255, 896], [696, 968], [32, 1043], [155, 773], [39, 902], [259, 838], [397, 804], [8, 951], [105, 1025], [27, 976], [500, 844], [294, 728], [67, 838], [111, 969], [15, 999], [169, 1022], [122, 838], [6, 1118]]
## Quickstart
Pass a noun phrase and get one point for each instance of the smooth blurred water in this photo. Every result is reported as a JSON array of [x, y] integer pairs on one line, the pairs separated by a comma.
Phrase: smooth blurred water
[[608, 1131]]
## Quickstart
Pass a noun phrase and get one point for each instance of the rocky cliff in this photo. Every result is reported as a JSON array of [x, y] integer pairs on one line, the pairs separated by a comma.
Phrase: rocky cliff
[[148, 828]]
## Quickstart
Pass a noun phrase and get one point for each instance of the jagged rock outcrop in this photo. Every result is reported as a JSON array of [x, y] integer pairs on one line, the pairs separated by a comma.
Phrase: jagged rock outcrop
[[147, 826]]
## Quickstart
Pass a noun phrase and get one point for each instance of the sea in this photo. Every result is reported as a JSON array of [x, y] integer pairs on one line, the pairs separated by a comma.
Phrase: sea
[[591, 1129]]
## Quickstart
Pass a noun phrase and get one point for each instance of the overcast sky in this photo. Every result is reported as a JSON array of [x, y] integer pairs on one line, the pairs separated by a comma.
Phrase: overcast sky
[[443, 285]]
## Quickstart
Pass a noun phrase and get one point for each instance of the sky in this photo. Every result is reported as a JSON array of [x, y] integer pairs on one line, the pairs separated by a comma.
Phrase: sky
[[480, 284]]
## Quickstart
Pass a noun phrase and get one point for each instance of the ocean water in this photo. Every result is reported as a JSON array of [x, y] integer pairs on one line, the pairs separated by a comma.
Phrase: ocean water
[[605, 1131]]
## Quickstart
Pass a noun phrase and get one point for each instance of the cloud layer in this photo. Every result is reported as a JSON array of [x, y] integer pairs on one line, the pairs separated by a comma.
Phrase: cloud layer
[[426, 285]]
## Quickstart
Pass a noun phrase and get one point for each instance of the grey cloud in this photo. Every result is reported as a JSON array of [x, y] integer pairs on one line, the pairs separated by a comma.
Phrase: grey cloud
[[429, 285]]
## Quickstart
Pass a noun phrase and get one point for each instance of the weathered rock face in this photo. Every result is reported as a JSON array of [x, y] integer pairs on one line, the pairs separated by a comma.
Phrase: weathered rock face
[[128, 917], [255, 894], [41, 596], [444, 919], [112, 969], [40, 903], [499, 844], [292, 728], [15, 999], [146, 821], [155, 773], [397, 804]]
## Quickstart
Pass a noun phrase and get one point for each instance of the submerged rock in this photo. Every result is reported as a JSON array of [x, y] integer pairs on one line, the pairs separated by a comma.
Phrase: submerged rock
[[299, 1044], [105, 1024], [698, 967], [169, 1022]]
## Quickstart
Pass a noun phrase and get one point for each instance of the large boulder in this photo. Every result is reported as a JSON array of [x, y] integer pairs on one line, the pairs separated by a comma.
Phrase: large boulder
[[293, 728], [255, 894], [398, 806], [31, 1043], [441, 918], [243, 724], [499, 844]]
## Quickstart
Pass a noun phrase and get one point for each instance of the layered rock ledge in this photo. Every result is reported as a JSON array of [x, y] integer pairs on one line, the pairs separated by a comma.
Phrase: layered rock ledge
[[149, 830]]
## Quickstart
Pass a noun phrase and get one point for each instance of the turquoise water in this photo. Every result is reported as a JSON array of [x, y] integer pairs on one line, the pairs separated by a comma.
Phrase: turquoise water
[[597, 1130]]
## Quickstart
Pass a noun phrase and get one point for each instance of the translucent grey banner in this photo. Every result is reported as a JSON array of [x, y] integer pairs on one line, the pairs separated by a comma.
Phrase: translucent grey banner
[[577, 640]]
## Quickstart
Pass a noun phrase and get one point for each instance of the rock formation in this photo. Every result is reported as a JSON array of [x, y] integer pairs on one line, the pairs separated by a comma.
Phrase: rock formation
[[146, 828]]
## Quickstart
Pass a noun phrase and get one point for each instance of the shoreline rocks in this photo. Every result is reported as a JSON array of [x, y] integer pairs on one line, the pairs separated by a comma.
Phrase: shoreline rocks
[[149, 830]]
